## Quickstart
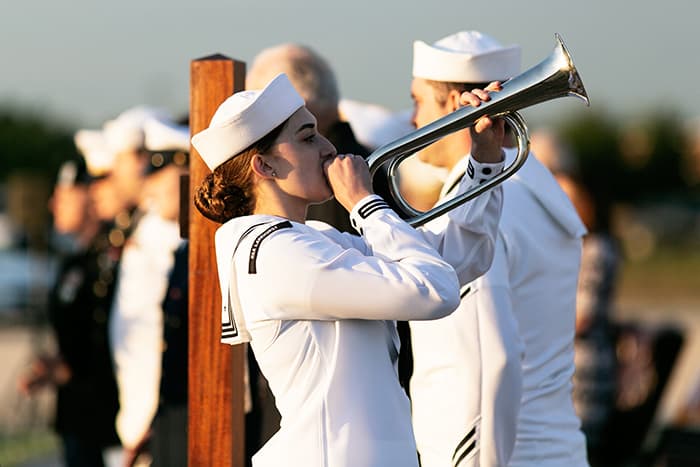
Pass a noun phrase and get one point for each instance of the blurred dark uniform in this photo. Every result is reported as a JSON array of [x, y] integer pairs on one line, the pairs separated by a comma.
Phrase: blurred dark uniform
[[79, 307], [168, 443]]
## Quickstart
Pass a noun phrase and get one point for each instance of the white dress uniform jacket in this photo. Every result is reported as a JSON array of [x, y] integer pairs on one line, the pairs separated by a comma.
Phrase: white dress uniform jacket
[[319, 306], [136, 323], [474, 401]]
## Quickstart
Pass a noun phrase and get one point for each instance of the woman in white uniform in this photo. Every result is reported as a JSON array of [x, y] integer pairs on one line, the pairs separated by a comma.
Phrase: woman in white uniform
[[316, 305]]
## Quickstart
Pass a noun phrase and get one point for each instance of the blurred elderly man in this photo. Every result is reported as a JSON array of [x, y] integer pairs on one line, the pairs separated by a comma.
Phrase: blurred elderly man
[[477, 401]]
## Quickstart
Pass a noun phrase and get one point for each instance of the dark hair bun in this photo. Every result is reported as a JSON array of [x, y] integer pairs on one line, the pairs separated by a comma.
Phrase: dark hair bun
[[221, 201]]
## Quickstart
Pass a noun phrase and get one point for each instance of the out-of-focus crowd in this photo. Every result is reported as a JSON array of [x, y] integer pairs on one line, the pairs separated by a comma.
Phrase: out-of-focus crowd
[[120, 292]]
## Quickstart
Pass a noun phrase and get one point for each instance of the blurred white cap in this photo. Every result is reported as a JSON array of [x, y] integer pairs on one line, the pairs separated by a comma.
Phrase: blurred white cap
[[166, 143], [126, 131], [92, 144], [165, 135]]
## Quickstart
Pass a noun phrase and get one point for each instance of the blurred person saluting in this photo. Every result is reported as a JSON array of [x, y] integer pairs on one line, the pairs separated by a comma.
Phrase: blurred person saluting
[[79, 306]]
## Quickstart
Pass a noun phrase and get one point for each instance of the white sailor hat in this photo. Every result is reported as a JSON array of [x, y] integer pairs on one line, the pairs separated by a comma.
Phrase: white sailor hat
[[92, 144], [125, 132], [166, 143], [245, 118], [465, 57]]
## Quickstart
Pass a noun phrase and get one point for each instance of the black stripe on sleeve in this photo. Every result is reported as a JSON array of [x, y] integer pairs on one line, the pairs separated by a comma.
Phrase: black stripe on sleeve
[[229, 329], [464, 441], [372, 206], [466, 452], [252, 268]]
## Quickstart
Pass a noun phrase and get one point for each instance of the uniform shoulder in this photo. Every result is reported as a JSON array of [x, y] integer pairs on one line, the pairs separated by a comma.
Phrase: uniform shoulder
[[272, 236]]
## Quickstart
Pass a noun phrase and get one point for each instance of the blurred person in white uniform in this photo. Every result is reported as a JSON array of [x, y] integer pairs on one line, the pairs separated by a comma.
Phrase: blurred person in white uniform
[[491, 383], [317, 305], [136, 324], [167, 144]]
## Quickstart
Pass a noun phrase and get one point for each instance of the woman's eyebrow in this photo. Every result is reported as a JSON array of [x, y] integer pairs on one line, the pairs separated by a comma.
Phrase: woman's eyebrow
[[305, 126]]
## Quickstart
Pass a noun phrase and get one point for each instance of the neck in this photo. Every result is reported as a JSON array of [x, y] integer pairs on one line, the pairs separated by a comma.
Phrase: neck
[[273, 202]]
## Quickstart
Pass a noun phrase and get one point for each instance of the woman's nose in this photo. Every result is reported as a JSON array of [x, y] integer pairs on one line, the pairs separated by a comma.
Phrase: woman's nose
[[330, 150]]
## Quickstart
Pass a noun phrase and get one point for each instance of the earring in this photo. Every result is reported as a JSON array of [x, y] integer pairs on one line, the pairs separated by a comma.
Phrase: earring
[[274, 174]]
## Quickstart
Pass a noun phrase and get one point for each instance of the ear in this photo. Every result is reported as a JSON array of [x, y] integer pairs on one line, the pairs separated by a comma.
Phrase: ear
[[261, 168], [452, 103]]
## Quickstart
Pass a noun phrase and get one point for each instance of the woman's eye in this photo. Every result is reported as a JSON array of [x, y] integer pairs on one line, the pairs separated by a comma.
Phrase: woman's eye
[[310, 138]]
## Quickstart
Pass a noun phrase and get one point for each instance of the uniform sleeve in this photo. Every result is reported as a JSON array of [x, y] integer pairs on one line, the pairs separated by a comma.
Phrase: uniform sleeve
[[466, 236], [344, 239], [501, 355], [398, 276]]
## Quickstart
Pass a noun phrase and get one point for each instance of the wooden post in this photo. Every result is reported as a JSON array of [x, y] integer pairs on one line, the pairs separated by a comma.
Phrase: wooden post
[[216, 416]]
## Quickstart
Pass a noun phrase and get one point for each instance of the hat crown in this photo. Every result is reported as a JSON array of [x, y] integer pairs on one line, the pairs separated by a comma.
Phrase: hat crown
[[465, 57], [469, 42], [232, 107]]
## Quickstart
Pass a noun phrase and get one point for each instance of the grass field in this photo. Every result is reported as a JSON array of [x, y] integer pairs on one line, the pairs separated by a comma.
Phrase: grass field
[[19, 449], [666, 282]]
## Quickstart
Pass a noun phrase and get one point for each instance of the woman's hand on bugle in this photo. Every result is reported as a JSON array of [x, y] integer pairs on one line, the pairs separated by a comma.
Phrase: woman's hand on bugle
[[348, 176]]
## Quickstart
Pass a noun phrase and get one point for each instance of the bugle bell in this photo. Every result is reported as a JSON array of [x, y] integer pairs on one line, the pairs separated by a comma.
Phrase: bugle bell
[[555, 76]]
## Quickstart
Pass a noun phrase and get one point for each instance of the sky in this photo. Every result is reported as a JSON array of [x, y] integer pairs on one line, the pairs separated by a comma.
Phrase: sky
[[81, 62]]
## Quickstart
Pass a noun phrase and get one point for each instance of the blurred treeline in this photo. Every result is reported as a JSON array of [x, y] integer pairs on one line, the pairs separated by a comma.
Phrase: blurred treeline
[[646, 169], [31, 151], [31, 145], [636, 162]]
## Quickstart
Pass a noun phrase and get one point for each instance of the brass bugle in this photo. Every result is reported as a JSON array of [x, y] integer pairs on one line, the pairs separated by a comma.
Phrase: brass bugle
[[555, 76]]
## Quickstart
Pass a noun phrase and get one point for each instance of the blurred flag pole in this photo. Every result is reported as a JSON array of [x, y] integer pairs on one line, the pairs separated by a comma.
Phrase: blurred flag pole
[[216, 415]]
